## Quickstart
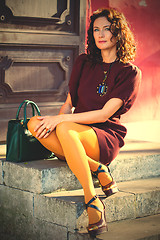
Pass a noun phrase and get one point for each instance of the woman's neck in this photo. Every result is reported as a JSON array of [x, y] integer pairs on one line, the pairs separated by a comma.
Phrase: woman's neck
[[108, 57]]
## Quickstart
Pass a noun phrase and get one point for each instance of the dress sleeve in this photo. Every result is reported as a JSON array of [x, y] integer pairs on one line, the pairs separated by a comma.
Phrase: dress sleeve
[[75, 77], [126, 87]]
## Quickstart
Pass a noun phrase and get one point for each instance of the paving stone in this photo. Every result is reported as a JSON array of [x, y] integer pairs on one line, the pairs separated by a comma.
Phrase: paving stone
[[15, 207], [65, 212], [57, 211], [135, 167], [77, 236], [42, 176], [147, 203], [46, 176], [146, 228], [135, 199], [120, 206], [32, 229], [18, 221], [146, 193], [136, 160], [16, 201]]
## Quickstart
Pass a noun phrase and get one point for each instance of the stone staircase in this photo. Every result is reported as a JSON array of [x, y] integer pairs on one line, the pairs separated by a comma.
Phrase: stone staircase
[[43, 200]]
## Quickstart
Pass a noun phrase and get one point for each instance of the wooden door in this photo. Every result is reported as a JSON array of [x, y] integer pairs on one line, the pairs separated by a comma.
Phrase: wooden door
[[39, 41]]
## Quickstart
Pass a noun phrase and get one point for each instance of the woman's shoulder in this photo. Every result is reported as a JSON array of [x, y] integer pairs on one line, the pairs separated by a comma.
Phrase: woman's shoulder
[[81, 58], [80, 61], [129, 69]]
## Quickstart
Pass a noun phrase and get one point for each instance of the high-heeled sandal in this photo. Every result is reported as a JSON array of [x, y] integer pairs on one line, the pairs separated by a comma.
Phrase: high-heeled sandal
[[101, 226], [111, 187]]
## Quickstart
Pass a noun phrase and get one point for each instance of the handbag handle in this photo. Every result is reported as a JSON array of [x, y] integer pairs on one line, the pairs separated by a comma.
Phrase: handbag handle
[[25, 110], [20, 106]]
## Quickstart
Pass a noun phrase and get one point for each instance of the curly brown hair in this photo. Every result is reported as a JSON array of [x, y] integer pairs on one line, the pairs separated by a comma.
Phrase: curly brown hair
[[125, 45]]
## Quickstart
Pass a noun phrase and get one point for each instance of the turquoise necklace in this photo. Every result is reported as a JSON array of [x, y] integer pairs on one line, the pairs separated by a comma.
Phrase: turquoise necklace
[[102, 87]]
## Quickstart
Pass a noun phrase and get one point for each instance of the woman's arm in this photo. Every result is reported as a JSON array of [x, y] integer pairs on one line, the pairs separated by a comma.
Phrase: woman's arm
[[96, 116], [67, 106]]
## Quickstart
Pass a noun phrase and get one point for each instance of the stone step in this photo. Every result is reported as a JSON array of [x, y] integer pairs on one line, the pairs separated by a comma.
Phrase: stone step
[[146, 228], [136, 160], [29, 216], [135, 199]]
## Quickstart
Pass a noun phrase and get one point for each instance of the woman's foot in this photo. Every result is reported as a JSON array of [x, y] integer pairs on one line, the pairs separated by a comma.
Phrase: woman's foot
[[103, 174], [97, 218], [93, 214]]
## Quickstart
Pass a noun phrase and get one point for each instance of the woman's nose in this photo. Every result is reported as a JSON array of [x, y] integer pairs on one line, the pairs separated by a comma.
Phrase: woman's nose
[[101, 33]]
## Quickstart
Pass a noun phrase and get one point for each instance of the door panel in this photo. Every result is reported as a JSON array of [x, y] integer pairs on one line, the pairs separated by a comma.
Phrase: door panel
[[39, 42], [40, 73]]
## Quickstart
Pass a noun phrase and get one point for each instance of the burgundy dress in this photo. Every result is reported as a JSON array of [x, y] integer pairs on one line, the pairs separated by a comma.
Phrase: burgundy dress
[[123, 82]]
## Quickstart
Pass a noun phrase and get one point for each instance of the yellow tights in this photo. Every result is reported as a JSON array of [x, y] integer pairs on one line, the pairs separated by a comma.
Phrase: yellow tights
[[79, 145]]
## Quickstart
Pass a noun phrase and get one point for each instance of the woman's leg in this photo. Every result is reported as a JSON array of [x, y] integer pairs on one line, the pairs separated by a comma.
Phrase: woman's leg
[[91, 148], [79, 144], [73, 137], [51, 142], [69, 140]]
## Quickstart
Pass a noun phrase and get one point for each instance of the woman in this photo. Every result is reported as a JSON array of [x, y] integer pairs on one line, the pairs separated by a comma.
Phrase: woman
[[103, 85]]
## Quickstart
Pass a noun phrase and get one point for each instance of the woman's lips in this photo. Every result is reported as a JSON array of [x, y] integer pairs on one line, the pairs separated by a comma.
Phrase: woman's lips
[[102, 41]]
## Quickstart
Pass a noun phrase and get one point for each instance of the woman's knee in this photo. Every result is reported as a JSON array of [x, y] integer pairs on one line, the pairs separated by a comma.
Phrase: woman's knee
[[63, 127], [32, 124]]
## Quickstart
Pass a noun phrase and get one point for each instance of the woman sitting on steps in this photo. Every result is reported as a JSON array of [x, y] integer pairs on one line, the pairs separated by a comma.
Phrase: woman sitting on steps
[[102, 87]]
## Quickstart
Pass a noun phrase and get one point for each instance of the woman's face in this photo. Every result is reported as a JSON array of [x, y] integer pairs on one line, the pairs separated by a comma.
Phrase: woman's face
[[103, 37]]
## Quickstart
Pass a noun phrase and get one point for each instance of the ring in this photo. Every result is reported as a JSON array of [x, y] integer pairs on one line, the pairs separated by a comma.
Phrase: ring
[[47, 130]]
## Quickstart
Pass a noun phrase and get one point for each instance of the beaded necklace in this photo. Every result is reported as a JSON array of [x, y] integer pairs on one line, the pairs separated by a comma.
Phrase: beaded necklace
[[102, 87]]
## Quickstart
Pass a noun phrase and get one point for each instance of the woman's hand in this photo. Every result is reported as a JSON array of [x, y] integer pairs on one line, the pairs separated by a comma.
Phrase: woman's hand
[[47, 125]]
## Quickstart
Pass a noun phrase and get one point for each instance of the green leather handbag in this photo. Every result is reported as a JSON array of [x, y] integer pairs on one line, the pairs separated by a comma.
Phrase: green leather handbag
[[22, 146]]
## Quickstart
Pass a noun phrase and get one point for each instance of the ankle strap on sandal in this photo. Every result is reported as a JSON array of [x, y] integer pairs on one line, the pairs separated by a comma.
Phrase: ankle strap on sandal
[[91, 205], [99, 170]]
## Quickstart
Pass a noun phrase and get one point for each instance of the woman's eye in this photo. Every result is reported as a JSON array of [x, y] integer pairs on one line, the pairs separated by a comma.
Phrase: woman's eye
[[107, 29], [96, 30]]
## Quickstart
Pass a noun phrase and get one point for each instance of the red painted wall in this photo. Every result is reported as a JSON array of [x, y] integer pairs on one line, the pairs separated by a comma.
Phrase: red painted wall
[[144, 18]]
